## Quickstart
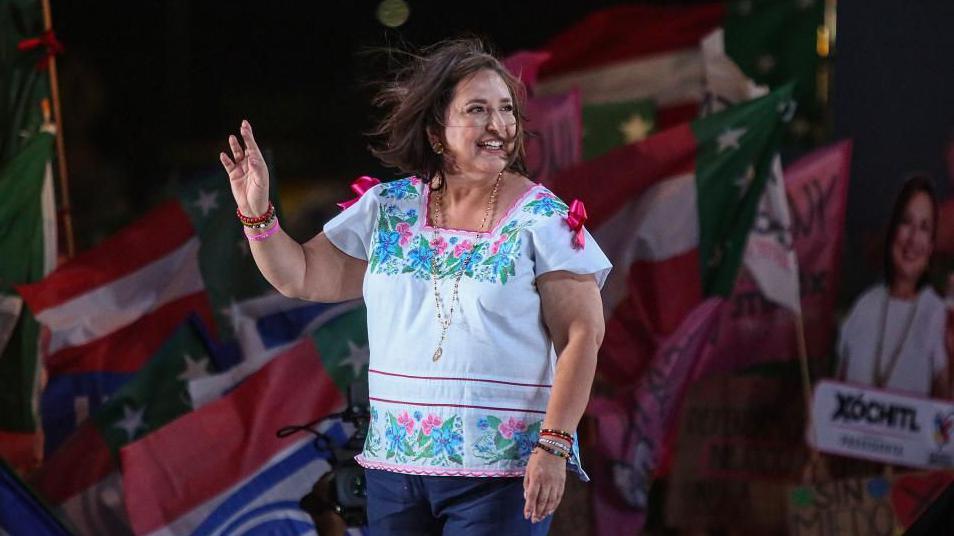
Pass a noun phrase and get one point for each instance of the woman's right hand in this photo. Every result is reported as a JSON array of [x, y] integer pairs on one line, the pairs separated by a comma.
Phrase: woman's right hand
[[248, 174]]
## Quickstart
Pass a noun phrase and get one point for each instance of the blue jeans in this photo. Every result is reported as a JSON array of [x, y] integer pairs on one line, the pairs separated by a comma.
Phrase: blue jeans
[[413, 505]]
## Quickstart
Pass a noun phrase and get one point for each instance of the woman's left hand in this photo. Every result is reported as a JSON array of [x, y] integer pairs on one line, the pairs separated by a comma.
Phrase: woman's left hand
[[543, 485]]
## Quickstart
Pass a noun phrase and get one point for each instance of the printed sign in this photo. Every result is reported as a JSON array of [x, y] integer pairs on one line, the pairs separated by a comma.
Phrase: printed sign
[[862, 422]]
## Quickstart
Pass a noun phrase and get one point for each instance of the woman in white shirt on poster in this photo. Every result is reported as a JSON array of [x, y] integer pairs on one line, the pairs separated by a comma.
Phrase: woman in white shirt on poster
[[894, 338]]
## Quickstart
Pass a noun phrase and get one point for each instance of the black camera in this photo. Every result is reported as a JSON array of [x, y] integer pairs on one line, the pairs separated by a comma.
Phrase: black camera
[[342, 490]]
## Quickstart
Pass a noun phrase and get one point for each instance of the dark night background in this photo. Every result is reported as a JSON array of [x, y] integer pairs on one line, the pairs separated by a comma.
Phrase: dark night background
[[151, 89]]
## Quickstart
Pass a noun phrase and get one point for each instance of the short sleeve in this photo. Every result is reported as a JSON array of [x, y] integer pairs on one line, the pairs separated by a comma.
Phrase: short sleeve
[[553, 249], [351, 230]]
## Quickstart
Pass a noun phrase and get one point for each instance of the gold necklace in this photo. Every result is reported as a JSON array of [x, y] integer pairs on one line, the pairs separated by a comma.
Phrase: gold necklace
[[445, 319], [878, 377]]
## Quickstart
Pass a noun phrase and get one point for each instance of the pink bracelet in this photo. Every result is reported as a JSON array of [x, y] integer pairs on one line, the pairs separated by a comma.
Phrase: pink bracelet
[[263, 236]]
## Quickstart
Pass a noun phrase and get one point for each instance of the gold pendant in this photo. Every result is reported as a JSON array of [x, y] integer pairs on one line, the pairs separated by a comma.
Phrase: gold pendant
[[437, 353]]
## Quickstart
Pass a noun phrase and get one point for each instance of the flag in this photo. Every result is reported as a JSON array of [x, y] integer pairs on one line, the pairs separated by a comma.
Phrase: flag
[[612, 124], [21, 512], [247, 480], [755, 328], [229, 273], [632, 53], [275, 323], [555, 136], [639, 52], [769, 252], [109, 309], [672, 213], [631, 430], [28, 250], [89, 494]]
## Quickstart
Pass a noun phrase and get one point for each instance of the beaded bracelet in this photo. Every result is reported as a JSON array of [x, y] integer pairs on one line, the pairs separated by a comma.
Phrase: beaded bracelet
[[553, 451], [558, 434], [262, 236], [554, 444], [252, 221]]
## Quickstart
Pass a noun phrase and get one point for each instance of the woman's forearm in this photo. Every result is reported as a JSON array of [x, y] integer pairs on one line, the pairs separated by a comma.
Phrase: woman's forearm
[[282, 262], [573, 381]]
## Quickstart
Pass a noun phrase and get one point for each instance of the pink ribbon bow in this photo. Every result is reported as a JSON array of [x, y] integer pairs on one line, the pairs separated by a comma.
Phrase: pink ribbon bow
[[359, 186], [575, 218]]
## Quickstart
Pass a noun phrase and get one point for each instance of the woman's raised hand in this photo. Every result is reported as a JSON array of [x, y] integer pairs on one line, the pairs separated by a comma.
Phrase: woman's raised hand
[[248, 174]]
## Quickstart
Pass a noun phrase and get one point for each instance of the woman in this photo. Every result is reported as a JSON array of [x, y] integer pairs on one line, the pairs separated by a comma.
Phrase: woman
[[474, 278], [894, 337]]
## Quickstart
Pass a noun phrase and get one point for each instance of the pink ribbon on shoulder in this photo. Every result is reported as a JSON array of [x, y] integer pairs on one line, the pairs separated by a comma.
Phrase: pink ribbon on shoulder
[[359, 186], [575, 218]]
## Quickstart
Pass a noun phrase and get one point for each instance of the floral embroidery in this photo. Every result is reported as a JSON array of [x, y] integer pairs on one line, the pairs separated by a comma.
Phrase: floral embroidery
[[372, 442], [435, 441], [399, 247], [401, 189], [511, 440], [547, 204], [393, 232]]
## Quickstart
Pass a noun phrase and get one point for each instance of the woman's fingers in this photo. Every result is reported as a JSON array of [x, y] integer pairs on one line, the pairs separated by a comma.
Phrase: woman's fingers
[[553, 500], [249, 139], [530, 491], [237, 151], [540, 507]]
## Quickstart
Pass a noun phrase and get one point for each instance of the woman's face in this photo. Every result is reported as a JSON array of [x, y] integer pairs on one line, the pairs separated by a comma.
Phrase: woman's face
[[914, 239], [480, 124]]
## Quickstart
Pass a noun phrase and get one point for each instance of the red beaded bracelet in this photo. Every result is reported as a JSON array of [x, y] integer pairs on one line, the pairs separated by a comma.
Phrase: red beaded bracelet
[[250, 221]]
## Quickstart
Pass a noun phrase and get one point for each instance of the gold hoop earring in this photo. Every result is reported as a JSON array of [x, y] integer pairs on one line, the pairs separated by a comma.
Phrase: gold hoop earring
[[438, 147]]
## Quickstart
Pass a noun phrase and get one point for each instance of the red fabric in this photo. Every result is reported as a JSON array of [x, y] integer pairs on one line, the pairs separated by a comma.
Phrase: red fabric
[[127, 349], [80, 462], [47, 40], [153, 236], [623, 32], [608, 182], [556, 122], [648, 314], [575, 218], [202, 454]]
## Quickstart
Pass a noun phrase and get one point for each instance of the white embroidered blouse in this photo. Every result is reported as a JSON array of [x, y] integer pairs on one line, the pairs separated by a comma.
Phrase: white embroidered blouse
[[478, 410]]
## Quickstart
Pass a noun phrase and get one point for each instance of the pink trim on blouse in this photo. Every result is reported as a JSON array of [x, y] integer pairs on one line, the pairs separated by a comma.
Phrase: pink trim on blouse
[[435, 471], [513, 207]]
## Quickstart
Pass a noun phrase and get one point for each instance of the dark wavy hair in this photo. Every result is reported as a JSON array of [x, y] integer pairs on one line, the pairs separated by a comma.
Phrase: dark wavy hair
[[416, 100], [915, 184]]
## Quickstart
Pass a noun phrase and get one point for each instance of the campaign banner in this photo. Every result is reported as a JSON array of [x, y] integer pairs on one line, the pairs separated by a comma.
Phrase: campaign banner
[[739, 449], [884, 426], [853, 507]]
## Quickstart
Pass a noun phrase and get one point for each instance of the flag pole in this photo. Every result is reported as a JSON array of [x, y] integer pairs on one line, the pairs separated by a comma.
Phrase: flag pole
[[67, 217], [815, 455]]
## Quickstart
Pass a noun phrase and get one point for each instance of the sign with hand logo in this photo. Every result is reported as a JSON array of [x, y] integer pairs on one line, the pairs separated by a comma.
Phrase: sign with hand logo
[[863, 422]]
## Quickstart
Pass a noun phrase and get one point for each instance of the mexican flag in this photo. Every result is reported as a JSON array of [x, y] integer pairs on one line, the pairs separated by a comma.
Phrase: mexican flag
[[673, 213], [89, 494], [28, 250]]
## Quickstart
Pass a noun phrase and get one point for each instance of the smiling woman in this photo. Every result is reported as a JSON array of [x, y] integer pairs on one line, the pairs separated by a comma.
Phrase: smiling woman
[[894, 336], [484, 312]]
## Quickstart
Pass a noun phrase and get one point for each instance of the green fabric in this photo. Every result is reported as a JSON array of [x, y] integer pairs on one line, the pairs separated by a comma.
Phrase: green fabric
[[774, 42], [21, 251], [22, 87], [228, 269], [158, 393], [610, 125], [343, 345], [730, 178]]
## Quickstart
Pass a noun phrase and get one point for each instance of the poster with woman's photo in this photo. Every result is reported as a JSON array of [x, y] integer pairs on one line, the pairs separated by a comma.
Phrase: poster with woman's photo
[[890, 399]]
